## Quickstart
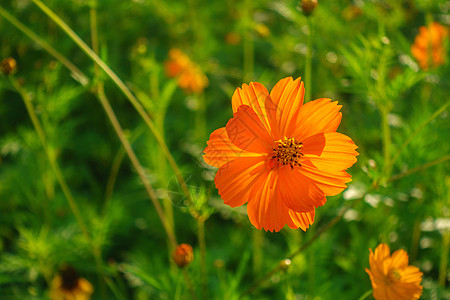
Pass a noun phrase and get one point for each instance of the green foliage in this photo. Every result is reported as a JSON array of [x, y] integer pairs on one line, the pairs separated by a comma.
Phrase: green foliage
[[395, 112]]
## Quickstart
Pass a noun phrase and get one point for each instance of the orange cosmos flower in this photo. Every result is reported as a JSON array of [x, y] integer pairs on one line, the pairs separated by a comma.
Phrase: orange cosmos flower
[[189, 75], [392, 278], [428, 47], [280, 156]]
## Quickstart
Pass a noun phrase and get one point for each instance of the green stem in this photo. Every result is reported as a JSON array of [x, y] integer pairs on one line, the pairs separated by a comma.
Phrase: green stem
[[202, 246], [61, 180], [308, 62], [200, 117], [51, 157], [291, 256], [415, 240], [386, 130], [444, 259], [189, 284], [418, 129], [125, 90], [420, 168], [136, 164], [76, 73], [257, 239], [248, 45], [365, 295]]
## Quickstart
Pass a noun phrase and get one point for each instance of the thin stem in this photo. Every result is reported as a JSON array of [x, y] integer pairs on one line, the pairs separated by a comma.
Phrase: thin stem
[[125, 90], [76, 73], [415, 240], [308, 62], [444, 259], [248, 45], [418, 129], [134, 160], [50, 156], [189, 284], [62, 182], [420, 168], [386, 130], [366, 294], [291, 256], [202, 246]]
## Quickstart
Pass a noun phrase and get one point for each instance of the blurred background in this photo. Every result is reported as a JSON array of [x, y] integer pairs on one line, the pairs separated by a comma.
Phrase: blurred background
[[386, 62]]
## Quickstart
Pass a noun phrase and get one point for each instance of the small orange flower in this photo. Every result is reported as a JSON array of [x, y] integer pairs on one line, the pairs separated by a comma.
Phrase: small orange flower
[[280, 156], [392, 278], [69, 286], [189, 75], [428, 47], [183, 255]]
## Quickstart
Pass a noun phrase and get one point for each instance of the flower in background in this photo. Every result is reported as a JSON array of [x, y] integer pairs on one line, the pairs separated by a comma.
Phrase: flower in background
[[392, 278], [69, 286], [183, 255], [428, 47], [280, 156], [189, 75], [8, 66]]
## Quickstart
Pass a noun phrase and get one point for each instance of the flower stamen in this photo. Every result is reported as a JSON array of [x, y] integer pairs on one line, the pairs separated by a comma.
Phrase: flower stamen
[[394, 275], [288, 152]]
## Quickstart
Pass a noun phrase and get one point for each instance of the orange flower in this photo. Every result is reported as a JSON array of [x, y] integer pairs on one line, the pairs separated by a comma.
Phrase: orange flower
[[69, 286], [280, 155], [428, 47], [190, 76], [392, 278]]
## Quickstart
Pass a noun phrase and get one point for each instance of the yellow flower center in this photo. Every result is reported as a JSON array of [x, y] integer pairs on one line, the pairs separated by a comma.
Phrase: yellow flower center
[[394, 276], [288, 152]]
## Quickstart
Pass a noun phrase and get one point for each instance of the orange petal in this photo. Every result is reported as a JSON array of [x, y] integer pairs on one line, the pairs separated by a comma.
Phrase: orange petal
[[297, 191], [399, 259], [247, 132], [257, 97], [235, 179], [221, 150], [288, 96], [330, 151], [331, 182], [317, 116], [302, 220], [264, 209]]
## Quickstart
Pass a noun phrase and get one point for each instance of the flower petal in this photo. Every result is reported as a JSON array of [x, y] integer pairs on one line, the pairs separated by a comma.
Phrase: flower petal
[[330, 151], [298, 191], [235, 179], [246, 131], [331, 183], [221, 150], [257, 97], [399, 259], [317, 116], [302, 220], [288, 96]]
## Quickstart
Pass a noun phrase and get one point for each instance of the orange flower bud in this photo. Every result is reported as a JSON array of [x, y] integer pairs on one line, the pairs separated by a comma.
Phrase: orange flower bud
[[308, 6], [8, 66], [183, 255]]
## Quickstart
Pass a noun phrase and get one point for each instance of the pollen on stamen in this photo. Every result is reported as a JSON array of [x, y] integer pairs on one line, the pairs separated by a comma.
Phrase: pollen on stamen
[[288, 152]]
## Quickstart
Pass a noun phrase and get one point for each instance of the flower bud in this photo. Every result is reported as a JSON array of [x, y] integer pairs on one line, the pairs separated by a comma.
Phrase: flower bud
[[308, 6], [8, 66], [285, 263], [183, 255]]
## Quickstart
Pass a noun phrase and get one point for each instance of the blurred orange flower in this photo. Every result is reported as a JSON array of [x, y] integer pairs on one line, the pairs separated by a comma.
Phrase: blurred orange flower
[[69, 286], [189, 75], [428, 47], [280, 155], [183, 255], [392, 278]]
